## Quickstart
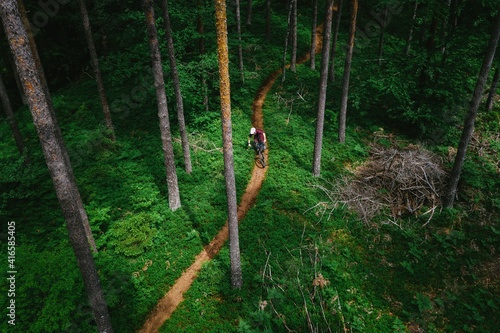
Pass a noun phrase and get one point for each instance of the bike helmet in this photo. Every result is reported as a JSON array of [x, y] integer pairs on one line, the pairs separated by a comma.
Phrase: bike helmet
[[252, 131]]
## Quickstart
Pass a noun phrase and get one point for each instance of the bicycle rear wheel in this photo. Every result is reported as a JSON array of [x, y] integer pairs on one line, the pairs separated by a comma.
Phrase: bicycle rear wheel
[[260, 161]]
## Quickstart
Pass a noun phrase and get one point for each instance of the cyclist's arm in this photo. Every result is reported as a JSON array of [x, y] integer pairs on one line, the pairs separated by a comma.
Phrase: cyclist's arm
[[248, 140], [265, 140]]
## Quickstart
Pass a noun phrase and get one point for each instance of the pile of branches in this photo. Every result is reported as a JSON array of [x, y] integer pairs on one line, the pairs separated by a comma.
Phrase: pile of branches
[[393, 181]]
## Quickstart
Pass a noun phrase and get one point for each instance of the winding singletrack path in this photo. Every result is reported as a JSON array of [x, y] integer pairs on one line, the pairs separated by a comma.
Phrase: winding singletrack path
[[168, 303]]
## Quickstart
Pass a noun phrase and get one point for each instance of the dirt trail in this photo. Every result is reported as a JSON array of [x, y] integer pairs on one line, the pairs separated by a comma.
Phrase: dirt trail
[[168, 303]]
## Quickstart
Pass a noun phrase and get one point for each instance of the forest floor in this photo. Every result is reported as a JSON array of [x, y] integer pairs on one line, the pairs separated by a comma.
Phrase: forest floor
[[169, 302]]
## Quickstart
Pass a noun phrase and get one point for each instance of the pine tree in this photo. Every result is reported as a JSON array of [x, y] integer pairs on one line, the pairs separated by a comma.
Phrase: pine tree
[[55, 154], [227, 138]]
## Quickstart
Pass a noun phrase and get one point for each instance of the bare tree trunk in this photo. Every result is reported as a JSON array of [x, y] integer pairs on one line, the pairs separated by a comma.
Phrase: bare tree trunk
[[293, 61], [287, 38], [331, 72], [45, 87], [249, 12], [240, 47], [268, 19], [159, 82], [312, 56], [381, 37], [97, 71], [227, 137], [451, 191], [177, 88], [55, 157], [7, 107], [410, 33], [347, 73], [493, 89], [320, 119], [201, 45]]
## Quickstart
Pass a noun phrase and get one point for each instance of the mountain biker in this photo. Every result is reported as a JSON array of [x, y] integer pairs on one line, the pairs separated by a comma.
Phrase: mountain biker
[[259, 138]]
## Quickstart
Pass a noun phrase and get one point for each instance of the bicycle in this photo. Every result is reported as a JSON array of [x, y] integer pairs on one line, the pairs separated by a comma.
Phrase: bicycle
[[260, 161]]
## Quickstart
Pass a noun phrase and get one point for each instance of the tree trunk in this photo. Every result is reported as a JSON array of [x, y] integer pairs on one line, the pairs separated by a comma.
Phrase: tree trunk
[[312, 56], [11, 118], [240, 47], [331, 72], [227, 137], [161, 97], [410, 33], [293, 61], [45, 87], [201, 46], [451, 191], [493, 89], [347, 73], [320, 119], [268, 19], [381, 37], [287, 38], [177, 88], [55, 157], [249, 12], [97, 71]]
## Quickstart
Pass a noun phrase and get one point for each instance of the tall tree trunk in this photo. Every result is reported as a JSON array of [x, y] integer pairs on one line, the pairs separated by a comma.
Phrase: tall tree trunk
[[287, 38], [268, 19], [493, 89], [97, 71], [240, 47], [331, 72], [347, 73], [177, 88], [451, 191], [293, 61], [201, 46], [381, 37], [412, 27], [320, 118], [161, 97], [227, 137], [54, 152], [45, 87], [249, 12], [11, 118], [312, 56]]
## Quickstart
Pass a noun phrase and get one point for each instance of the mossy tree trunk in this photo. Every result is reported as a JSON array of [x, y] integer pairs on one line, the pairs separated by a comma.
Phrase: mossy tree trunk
[[227, 138], [174, 200], [55, 154]]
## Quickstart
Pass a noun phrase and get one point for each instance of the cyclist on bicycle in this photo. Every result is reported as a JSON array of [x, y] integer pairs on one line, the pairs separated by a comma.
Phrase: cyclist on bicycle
[[259, 138]]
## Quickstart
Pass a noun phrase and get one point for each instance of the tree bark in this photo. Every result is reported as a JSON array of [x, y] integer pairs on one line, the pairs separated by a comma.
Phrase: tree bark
[[493, 89], [331, 72], [201, 46], [469, 121], [287, 38], [45, 87], [293, 61], [55, 156], [227, 137], [320, 118], [268, 19], [240, 47], [312, 56], [7, 107], [161, 97], [177, 88], [347, 73], [410, 33], [381, 37], [97, 71], [249, 12]]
